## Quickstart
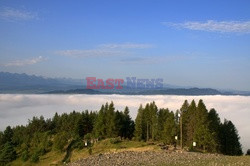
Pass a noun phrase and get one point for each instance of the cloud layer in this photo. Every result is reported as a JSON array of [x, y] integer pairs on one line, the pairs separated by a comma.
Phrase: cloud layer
[[214, 26], [90, 53], [12, 14], [127, 46], [104, 50], [25, 62], [17, 109]]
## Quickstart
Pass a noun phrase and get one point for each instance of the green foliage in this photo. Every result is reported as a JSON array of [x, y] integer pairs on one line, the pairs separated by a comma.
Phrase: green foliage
[[60, 141], [190, 123], [80, 128], [214, 127], [69, 131], [202, 134], [100, 124], [90, 151], [248, 152], [35, 157], [8, 153], [169, 130], [229, 139], [7, 135], [79, 144], [88, 136], [115, 140], [146, 122], [41, 142], [139, 130], [112, 124], [25, 155]]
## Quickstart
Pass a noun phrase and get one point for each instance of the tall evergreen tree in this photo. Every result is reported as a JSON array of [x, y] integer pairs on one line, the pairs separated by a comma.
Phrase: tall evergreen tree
[[139, 130], [229, 139], [190, 123], [7, 135], [202, 135], [110, 120], [169, 129], [153, 122], [185, 120], [99, 127], [119, 124], [128, 124], [7, 154], [214, 127], [162, 118]]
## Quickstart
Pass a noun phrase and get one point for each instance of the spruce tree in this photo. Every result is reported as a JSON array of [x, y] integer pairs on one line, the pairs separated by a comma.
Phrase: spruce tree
[[8, 153], [110, 120], [169, 129], [99, 126], [190, 123], [229, 139], [128, 124], [139, 125], [185, 120], [202, 134]]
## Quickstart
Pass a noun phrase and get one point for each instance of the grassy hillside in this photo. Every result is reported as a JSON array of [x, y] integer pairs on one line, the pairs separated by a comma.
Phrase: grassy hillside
[[108, 150]]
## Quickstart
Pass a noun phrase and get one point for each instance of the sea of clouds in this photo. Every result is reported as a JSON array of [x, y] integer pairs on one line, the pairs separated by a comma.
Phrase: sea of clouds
[[16, 109]]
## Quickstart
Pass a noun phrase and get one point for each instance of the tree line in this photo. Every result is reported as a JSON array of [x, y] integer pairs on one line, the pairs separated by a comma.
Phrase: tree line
[[199, 125]]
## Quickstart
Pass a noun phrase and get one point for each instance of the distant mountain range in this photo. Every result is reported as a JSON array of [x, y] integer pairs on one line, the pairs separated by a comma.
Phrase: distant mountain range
[[31, 84]]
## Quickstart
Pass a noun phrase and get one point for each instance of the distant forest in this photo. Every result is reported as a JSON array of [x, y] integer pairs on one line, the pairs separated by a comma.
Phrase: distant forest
[[199, 125]]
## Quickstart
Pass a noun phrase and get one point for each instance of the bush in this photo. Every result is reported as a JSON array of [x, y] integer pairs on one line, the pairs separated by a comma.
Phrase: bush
[[88, 136], [60, 141], [115, 140], [90, 151], [7, 153], [35, 157], [25, 155], [248, 152], [78, 145]]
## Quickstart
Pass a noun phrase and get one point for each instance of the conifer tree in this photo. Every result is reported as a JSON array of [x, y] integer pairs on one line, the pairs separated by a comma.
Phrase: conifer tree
[[229, 139], [99, 127], [139, 130], [110, 120], [169, 129], [128, 124], [8, 153], [185, 121], [190, 123]]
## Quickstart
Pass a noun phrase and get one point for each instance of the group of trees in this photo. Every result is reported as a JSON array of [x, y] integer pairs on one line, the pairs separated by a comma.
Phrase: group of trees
[[111, 123], [154, 124], [205, 128], [199, 125]]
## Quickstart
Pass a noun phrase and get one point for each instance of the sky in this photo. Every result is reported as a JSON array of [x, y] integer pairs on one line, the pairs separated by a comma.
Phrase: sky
[[187, 43], [22, 107]]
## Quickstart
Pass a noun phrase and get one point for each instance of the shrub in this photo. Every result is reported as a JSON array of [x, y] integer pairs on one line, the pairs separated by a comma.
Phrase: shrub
[[248, 152], [25, 155], [60, 141], [90, 151], [35, 157], [78, 145], [115, 140]]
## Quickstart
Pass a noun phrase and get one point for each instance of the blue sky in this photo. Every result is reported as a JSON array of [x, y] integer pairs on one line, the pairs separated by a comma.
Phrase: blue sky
[[187, 43]]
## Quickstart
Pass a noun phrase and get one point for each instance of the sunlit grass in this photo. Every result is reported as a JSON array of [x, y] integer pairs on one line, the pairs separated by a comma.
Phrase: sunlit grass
[[107, 146]]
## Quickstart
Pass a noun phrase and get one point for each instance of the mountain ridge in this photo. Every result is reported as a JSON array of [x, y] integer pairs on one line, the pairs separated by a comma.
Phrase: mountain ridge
[[31, 84]]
